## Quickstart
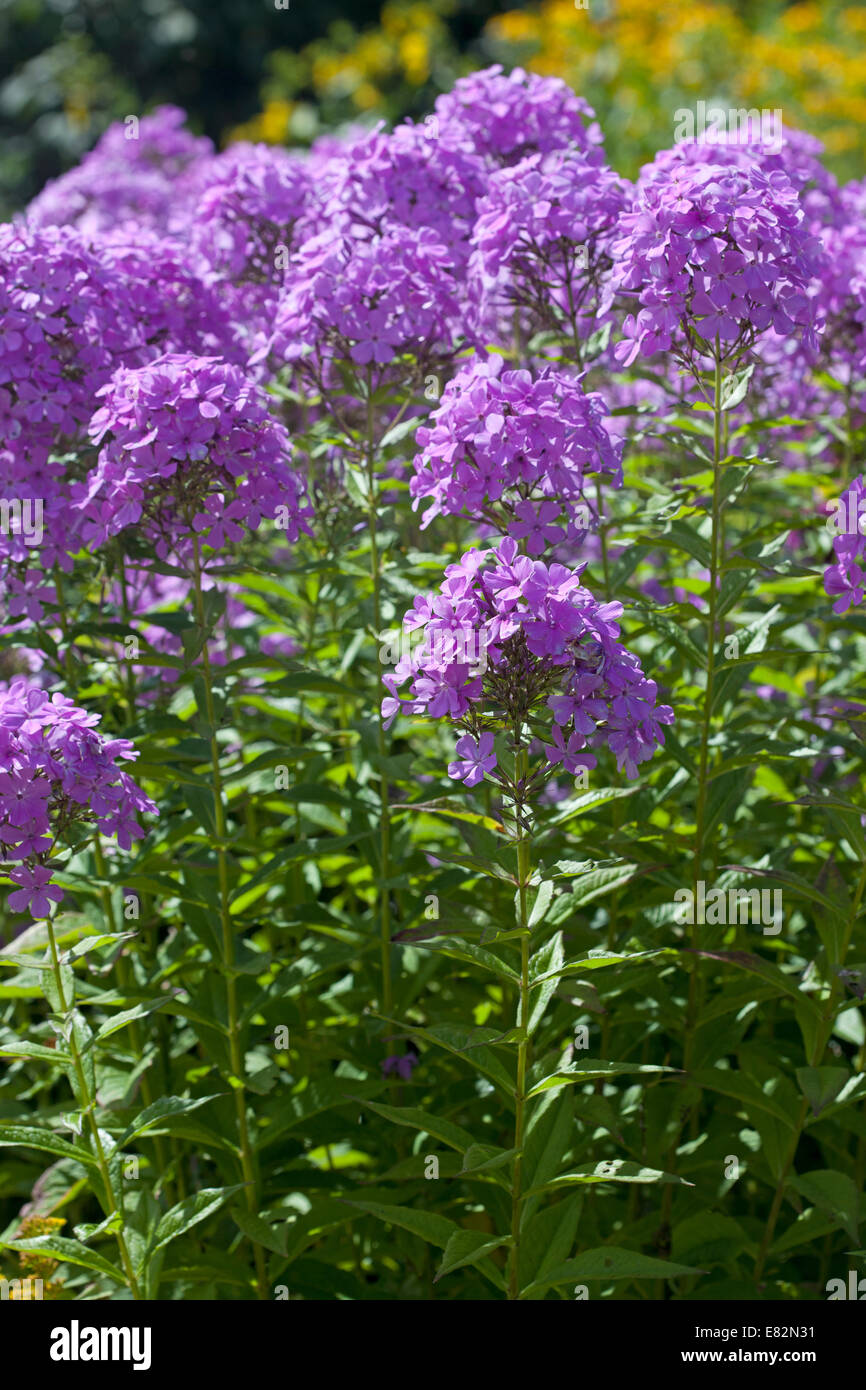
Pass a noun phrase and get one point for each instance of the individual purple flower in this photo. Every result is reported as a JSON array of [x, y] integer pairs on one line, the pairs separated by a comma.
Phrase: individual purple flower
[[187, 445], [515, 450], [58, 772], [570, 753], [37, 892], [715, 253], [505, 116], [475, 757], [551, 652], [396, 1065]]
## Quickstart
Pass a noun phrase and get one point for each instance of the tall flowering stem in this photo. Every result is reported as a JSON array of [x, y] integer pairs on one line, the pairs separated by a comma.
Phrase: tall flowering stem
[[384, 901], [511, 643], [524, 870], [227, 933], [125, 979], [60, 773], [712, 638], [706, 736], [87, 1103]]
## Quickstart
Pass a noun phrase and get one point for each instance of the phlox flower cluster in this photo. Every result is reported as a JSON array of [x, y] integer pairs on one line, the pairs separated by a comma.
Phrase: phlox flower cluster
[[367, 300], [505, 116], [188, 446], [541, 241], [552, 656], [408, 177], [515, 450], [254, 198], [134, 174], [715, 253], [57, 771]]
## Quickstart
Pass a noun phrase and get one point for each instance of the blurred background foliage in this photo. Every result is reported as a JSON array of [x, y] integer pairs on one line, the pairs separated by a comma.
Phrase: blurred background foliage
[[252, 69]]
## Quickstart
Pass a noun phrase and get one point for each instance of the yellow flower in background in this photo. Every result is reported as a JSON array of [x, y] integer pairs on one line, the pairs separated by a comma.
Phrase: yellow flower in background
[[636, 62], [415, 57], [366, 96], [275, 121], [270, 127]]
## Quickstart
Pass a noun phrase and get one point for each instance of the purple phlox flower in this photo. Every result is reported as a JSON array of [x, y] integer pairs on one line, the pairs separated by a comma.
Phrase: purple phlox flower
[[541, 631], [475, 757], [517, 449], [57, 770], [401, 1066]]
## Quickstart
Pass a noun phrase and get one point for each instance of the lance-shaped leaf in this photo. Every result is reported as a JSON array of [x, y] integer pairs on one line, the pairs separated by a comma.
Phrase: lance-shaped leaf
[[612, 1170], [591, 1070], [467, 1248], [609, 1263]]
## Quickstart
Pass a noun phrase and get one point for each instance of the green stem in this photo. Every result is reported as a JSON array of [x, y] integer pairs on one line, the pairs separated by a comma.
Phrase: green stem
[[125, 979], [704, 755], [228, 941], [89, 1108], [524, 870], [707, 722], [384, 811]]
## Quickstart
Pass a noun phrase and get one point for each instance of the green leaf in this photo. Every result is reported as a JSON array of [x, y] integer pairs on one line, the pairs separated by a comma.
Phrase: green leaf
[[599, 882], [482, 1158], [735, 387], [756, 965], [70, 1252], [458, 949], [821, 1085], [548, 1237], [599, 959], [742, 1088], [266, 1233], [30, 1137], [129, 1016], [612, 1170], [708, 1236], [540, 904], [466, 1248], [610, 1263], [833, 1192], [189, 1213], [161, 1110], [453, 1135], [545, 969], [468, 1044], [590, 1070], [35, 1050], [200, 801], [436, 1230]]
